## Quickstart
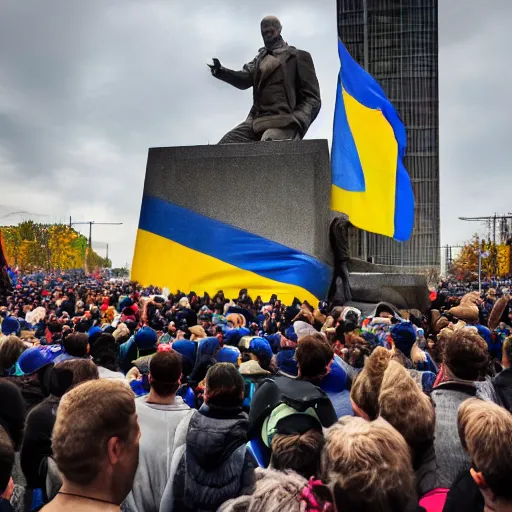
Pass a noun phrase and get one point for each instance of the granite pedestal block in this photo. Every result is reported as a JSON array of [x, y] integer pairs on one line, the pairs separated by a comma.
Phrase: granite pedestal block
[[278, 190]]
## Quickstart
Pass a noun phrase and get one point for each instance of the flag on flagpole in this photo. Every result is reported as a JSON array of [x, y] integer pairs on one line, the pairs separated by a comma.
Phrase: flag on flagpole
[[369, 181]]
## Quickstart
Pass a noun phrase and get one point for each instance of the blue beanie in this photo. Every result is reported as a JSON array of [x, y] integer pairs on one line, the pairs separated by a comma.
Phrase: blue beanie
[[93, 331], [10, 326], [145, 338], [33, 359], [228, 354], [404, 336], [261, 347], [233, 336], [186, 348], [208, 347]]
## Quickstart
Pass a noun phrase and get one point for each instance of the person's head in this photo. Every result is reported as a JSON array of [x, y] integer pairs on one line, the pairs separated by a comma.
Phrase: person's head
[[506, 353], [6, 459], [10, 326], [485, 431], [10, 350], [404, 405], [82, 370], [76, 344], [298, 452], [95, 440], [314, 354], [105, 352], [270, 29], [165, 373], [403, 335], [224, 386], [282, 490], [364, 394], [465, 354], [368, 465]]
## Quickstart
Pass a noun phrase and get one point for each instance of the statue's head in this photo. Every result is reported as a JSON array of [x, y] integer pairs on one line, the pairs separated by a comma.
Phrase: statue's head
[[270, 30]]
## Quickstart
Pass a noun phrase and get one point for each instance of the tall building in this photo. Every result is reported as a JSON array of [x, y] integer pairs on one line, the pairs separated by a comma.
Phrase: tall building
[[396, 41]]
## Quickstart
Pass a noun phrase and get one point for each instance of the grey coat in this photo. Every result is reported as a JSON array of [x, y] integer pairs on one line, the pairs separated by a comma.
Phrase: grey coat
[[451, 457]]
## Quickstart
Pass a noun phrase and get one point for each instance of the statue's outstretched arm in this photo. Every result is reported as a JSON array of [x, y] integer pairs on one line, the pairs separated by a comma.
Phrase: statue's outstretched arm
[[242, 79]]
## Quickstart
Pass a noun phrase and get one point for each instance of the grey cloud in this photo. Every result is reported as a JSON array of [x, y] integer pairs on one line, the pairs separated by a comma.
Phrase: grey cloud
[[87, 87]]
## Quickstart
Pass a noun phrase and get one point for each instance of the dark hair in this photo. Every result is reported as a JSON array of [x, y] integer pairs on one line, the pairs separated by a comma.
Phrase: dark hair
[[165, 369], [298, 452], [313, 354], [76, 344], [10, 351], [224, 385], [465, 354], [6, 459], [105, 352], [82, 369]]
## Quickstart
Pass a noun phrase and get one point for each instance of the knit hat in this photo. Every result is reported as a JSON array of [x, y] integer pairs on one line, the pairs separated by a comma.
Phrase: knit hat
[[404, 405], [187, 349], [233, 336], [366, 388], [10, 325], [145, 338], [94, 331], [228, 354], [33, 359], [260, 347], [404, 337]]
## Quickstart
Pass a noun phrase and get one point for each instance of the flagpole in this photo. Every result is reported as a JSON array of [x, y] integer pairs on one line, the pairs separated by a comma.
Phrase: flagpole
[[365, 65]]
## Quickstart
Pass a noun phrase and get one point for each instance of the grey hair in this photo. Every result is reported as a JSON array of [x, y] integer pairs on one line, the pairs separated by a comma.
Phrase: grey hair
[[275, 490]]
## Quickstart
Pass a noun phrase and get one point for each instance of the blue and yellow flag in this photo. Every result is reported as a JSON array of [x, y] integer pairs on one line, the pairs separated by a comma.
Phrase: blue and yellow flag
[[182, 249], [369, 181]]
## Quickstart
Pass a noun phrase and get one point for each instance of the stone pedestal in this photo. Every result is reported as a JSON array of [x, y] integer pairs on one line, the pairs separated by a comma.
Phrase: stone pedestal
[[277, 190]]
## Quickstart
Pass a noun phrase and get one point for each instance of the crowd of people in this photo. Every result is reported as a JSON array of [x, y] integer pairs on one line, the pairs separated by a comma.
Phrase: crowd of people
[[118, 397]]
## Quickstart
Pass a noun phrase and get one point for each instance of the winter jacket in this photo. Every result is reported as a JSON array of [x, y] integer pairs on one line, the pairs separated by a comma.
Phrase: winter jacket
[[464, 495], [158, 426], [214, 465], [37, 441], [503, 386], [450, 455], [425, 468]]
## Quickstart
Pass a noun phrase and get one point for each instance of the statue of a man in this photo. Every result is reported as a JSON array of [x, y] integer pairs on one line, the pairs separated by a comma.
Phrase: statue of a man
[[286, 94]]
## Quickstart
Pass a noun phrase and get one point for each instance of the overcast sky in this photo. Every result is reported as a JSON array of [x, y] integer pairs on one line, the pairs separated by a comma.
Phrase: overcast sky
[[87, 86]]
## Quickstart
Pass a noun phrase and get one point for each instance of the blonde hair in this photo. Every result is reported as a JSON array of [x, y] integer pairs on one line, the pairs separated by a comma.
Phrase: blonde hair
[[88, 416], [275, 490], [485, 431], [369, 463], [366, 388], [404, 405]]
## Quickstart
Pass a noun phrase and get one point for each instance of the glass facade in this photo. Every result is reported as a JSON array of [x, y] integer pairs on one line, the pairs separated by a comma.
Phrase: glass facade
[[396, 40]]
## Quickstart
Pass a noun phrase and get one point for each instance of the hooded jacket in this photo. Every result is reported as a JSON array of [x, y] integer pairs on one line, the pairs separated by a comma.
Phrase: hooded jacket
[[214, 464]]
